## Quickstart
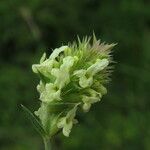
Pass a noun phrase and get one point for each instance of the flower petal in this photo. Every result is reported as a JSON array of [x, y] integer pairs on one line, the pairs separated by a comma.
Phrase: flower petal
[[67, 122], [67, 129], [61, 122], [57, 51], [98, 66], [44, 68], [50, 93], [63, 73], [43, 58]]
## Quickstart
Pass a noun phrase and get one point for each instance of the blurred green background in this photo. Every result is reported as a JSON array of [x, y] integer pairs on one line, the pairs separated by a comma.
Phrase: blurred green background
[[28, 28]]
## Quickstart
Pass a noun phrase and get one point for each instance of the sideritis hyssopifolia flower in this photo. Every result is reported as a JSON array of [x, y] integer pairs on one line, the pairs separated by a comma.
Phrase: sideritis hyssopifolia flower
[[73, 77]]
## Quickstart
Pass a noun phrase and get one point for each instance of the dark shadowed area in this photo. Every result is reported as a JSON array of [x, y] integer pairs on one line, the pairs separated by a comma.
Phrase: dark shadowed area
[[121, 121]]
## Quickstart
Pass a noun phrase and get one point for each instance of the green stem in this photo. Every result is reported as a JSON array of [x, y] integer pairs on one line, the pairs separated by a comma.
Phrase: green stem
[[47, 144]]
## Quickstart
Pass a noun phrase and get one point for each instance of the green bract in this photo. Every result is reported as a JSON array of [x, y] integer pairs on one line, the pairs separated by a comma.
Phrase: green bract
[[73, 77]]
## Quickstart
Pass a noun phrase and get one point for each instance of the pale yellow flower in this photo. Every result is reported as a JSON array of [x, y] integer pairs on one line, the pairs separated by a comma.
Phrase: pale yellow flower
[[72, 76], [66, 123]]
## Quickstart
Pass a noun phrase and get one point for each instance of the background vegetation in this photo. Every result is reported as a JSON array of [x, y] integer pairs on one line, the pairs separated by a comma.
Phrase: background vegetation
[[28, 28]]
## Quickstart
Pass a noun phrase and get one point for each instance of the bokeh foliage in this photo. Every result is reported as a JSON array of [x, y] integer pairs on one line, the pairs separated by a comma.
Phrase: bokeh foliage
[[28, 28]]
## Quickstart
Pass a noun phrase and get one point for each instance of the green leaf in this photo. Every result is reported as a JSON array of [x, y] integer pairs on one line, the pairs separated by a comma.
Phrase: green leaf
[[38, 126]]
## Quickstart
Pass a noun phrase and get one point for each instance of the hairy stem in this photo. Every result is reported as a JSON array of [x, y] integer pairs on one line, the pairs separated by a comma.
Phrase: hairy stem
[[47, 144]]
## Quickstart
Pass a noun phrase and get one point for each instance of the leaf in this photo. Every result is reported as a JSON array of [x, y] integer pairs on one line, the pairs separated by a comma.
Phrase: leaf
[[34, 120]]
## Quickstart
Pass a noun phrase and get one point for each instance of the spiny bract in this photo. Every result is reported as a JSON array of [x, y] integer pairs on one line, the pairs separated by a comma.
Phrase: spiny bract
[[72, 76]]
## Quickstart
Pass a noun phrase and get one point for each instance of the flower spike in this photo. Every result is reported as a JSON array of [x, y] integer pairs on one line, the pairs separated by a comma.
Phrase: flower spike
[[73, 77]]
